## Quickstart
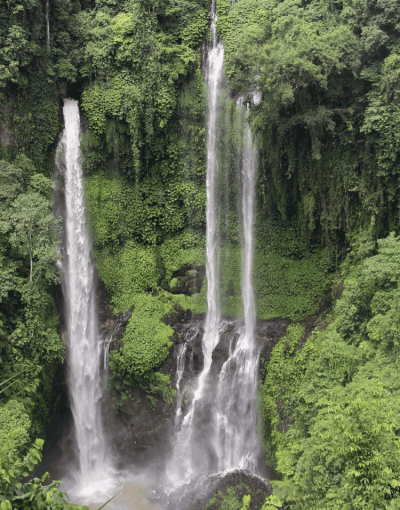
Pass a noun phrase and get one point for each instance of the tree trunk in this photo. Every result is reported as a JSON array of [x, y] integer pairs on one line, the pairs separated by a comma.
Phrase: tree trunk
[[30, 253], [47, 25]]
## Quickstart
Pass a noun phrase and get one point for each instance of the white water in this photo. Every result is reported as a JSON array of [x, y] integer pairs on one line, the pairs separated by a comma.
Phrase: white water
[[236, 440], [106, 356], [214, 79], [94, 478], [180, 391], [107, 341], [182, 466], [179, 371]]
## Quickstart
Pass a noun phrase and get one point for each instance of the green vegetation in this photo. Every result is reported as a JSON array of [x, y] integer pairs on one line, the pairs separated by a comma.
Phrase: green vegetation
[[271, 503], [327, 192], [230, 500], [32, 495], [30, 344], [327, 122], [331, 402], [292, 277]]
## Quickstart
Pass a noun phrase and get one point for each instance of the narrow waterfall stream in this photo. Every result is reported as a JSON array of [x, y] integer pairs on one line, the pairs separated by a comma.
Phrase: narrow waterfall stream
[[182, 466], [82, 339], [236, 440], [230, 439]]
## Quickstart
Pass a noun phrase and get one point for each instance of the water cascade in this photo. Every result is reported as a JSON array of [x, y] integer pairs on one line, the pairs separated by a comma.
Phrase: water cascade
[[82, 338], [182, 466], [217, 430], [236, 439], [189, 336]]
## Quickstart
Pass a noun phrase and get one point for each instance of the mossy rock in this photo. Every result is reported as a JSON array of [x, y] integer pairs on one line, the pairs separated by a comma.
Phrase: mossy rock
[[223, 492], [233, 497]]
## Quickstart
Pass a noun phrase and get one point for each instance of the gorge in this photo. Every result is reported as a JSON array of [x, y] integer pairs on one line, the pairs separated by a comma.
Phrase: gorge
[[199, 255]]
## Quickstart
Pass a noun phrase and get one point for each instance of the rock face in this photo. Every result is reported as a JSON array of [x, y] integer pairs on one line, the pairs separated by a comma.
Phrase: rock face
[[111, 326], [141, 428], [138, 428], [268, 333], [209, 492]]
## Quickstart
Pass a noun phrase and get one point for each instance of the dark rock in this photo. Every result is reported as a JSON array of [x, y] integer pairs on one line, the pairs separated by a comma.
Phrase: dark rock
[[230, 332], [268, 333], [229, 291], [197, 494], [138, 428], [111, 326]]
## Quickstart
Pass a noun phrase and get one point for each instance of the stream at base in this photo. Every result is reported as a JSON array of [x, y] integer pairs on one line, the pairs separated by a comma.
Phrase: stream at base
[[133, 495], [142, 492]]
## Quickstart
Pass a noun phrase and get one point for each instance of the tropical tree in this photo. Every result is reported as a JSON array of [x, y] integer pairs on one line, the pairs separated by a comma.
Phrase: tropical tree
[[35, 233]]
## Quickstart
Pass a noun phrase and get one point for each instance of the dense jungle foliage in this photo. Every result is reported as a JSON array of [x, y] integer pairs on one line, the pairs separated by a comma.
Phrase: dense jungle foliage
[[328, 186], [330, 401], [328, 129]]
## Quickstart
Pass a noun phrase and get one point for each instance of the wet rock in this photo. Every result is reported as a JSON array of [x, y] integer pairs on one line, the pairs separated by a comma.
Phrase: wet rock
[[191, 333], [229, 334], [200, 493], [138, 428], [111, 325], [135, 427], [268, 333]]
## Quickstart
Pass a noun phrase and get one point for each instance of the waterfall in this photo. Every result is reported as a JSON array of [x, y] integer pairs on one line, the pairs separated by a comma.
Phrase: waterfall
[[82, 338], [179, 371], [183, 463], [236, 440], [214, 79], [190, 335]]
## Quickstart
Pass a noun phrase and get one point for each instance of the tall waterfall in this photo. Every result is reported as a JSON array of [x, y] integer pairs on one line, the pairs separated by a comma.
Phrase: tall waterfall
[[182, 466], [236, 441], [83, 346], [214, 78]]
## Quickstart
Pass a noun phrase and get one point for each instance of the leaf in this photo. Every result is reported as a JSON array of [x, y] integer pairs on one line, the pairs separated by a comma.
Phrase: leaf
[[115, 495]]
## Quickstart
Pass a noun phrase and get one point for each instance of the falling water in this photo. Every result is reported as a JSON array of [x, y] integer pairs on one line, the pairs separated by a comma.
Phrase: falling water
[[190, 335], [179, 372], [122, 319], [236, 440], [214, 78], [107, 343], [83, 346], [182, 466]]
